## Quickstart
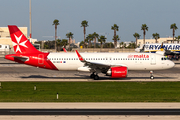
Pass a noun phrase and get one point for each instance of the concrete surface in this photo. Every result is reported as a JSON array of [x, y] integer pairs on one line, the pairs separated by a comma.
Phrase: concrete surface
[[21, 72], [92, 117], [88, 105]]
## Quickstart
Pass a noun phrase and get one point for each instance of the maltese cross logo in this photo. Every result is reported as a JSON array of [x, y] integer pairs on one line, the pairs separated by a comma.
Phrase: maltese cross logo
[[18, 43]]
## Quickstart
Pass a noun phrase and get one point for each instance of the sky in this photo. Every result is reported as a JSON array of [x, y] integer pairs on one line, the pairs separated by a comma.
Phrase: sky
[[129, 15]]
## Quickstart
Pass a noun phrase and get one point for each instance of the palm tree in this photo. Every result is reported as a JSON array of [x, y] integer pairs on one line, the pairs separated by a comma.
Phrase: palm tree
[[89, 38], [56, 23], [144, 28], [177, 38], [58, 43], [70, 36], [115, 28], [81, 43], [102, 39], [84, 24], [117, 38], [156, 36], [174, 27], [95, 35], [137, 36], [64, 42], [122, 44]]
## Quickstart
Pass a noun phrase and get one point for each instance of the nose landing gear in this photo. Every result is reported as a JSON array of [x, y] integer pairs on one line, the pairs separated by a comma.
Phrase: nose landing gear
[[151, 75]]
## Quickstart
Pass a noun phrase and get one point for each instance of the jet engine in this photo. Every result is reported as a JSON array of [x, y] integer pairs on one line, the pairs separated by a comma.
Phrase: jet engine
[[117, 72]]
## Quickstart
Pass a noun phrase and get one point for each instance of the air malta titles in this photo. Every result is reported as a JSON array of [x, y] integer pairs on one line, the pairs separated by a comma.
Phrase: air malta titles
[[138, 56]]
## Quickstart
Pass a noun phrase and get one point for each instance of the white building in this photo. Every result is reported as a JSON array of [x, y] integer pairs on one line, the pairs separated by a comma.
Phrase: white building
[[160, 40]]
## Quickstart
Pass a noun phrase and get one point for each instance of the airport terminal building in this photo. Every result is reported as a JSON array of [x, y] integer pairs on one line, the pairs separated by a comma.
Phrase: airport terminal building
[[160, 40], [5, 38]]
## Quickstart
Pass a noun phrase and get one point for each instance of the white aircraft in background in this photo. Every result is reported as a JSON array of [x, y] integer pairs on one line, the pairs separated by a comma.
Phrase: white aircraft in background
[[115, 65], [170, 48]]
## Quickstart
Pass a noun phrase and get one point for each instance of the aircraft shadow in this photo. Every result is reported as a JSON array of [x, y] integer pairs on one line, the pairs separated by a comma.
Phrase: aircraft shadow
[[100, 78]]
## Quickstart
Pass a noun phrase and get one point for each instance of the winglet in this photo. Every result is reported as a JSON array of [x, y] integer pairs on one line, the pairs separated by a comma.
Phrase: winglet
[[79, 56], [65, 50]]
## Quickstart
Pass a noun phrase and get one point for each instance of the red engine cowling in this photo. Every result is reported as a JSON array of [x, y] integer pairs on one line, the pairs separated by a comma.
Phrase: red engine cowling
[[118, 72]]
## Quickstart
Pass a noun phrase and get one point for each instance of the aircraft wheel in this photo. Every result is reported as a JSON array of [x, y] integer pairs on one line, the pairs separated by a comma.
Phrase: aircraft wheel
[[92, 75], [151, 77], [96, 77]]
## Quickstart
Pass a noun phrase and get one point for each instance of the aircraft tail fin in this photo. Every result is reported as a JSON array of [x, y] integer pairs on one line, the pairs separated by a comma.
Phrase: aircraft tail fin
[[20, 43], [162, 47], [162, 51]]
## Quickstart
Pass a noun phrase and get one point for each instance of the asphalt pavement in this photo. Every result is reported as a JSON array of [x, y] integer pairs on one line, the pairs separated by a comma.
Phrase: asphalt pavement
[[10, 71]]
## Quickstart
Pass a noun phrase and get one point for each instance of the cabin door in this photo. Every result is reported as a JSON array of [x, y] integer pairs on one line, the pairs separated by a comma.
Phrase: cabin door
[[153, 60], [40, 59]]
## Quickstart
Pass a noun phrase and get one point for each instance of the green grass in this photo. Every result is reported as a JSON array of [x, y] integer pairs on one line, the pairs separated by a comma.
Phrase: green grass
[[90, 92]]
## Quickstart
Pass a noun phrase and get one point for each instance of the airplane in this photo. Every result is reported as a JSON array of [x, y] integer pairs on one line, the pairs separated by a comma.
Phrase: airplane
[[170, 48], [115, 65]]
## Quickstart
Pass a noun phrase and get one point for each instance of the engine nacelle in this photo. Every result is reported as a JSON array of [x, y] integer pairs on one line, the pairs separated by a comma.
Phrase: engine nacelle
[[118, 72]]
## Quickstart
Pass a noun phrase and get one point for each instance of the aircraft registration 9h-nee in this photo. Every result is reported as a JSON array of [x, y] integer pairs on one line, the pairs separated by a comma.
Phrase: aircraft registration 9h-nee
[[115, 65]]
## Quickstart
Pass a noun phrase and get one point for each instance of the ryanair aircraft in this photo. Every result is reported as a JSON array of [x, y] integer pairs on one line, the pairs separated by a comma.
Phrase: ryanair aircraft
[[170, 48]]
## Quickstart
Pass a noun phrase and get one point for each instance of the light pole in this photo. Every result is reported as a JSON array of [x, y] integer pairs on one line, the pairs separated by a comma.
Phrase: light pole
[[30, 34]]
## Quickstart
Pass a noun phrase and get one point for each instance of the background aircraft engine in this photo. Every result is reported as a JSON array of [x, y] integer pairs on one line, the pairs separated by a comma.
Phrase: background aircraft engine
[[117, 72]]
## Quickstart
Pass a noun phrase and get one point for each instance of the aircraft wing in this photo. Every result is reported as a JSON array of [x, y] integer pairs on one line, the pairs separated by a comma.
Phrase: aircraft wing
[[94, 65]]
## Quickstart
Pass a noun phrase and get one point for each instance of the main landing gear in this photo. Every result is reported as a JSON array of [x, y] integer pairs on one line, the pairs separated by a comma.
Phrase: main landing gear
[[95, 76], [151, 75]]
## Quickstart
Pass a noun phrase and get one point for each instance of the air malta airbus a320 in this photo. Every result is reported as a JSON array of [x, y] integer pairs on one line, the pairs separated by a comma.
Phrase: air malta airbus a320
[[115, 65]]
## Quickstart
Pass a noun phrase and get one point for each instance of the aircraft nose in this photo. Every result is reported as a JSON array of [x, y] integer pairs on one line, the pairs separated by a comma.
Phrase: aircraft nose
[[170, 64]]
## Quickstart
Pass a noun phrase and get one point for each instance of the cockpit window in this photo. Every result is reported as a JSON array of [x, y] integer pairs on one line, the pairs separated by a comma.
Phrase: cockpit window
[[163, 58]]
